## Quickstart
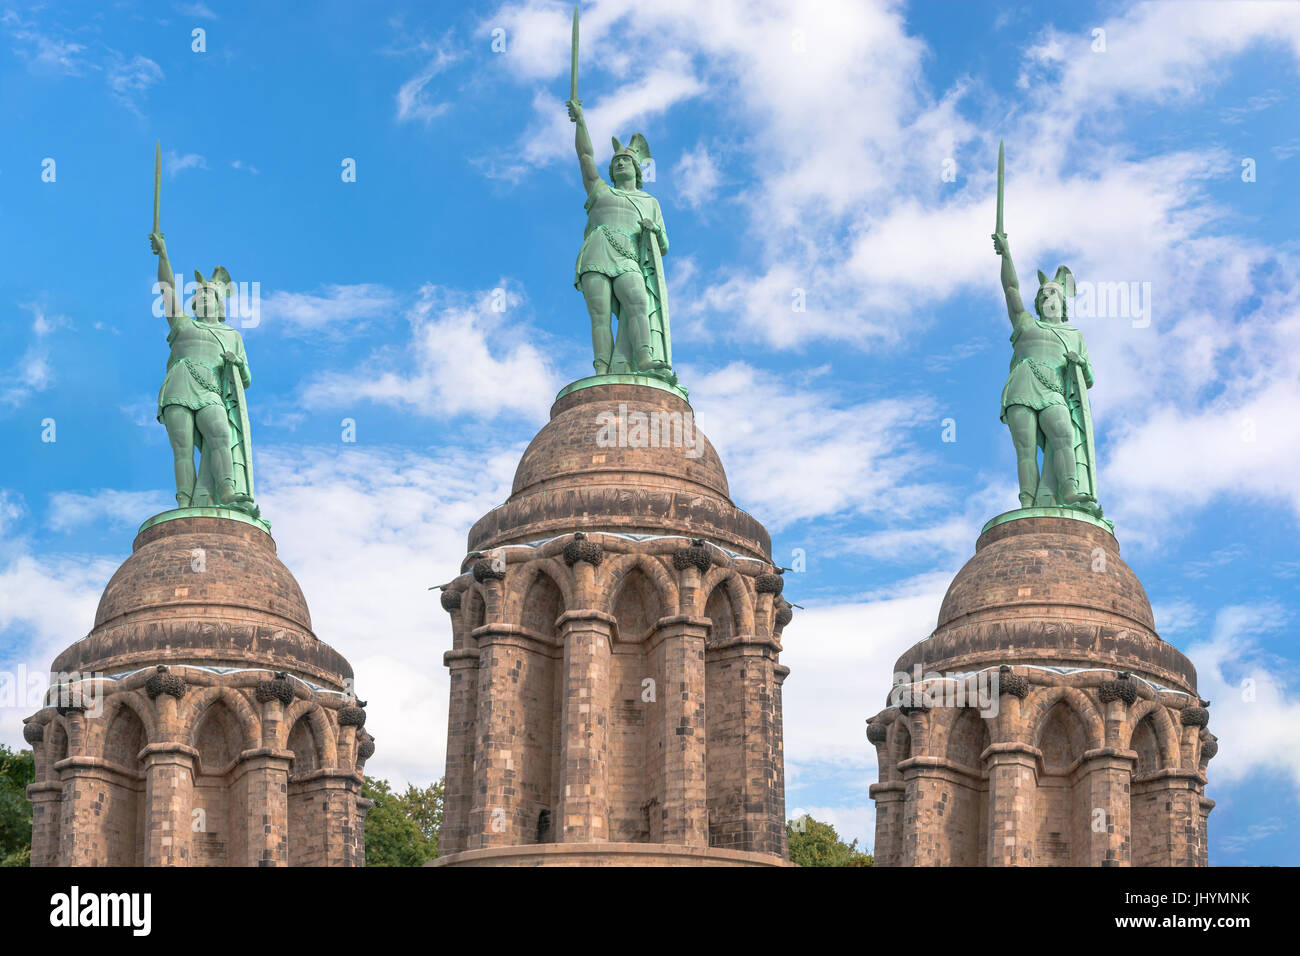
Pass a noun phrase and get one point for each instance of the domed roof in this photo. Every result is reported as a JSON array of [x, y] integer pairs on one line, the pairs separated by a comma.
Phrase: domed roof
[[204, 590], [620, 457], [1052, 591]]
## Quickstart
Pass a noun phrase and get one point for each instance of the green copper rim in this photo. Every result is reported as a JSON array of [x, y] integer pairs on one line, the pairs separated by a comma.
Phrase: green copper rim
[[227, 513], [1070, 513], [648, 381]]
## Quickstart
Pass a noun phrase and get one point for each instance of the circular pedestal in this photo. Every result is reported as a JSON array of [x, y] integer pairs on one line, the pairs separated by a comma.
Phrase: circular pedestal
[[206, 591], [1051, 590], [607, 854], [625, 458]]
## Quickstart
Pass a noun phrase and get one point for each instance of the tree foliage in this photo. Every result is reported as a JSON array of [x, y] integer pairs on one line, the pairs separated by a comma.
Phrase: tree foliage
[[17, 770], [402, 828], [813, 843]]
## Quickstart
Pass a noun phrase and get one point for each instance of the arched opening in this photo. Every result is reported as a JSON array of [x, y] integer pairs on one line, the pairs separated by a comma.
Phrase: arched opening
[[540, 688], [302, 803], [723, 727], [219, 823], [124, 789], [1062, 814], [636, 733], [966, 820], [1146, 804]]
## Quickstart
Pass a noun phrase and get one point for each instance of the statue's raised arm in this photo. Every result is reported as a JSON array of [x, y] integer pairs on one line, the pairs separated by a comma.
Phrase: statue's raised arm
[[1010, 281], [586, 152]]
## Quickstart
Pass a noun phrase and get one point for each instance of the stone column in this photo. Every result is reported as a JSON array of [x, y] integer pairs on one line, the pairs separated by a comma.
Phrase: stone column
[[336, 817], [264, 775], [169, 802], [779, 673], [1104, 780], [45, 796], [498, 729], [584, 724], [1013, 790], [685, 803], [890, 798], [929, 804], [458, 791], [1175, 834]]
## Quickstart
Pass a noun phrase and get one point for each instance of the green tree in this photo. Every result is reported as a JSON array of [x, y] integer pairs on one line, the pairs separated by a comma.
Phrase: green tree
[[17, 770], [813, 843], [402, 828]]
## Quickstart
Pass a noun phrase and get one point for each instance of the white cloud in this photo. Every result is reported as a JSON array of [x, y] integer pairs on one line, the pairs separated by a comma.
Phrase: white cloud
[[177, 163], [413, 99], [697, 177], [465, 357], [336, 310], [109, 507]]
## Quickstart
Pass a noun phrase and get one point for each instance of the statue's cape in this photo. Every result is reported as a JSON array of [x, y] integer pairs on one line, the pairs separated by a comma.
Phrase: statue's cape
[[241, 450], [1076, 398]]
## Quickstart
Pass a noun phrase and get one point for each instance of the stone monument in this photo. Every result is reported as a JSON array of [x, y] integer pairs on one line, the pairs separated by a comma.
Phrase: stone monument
[[1044, 722], [616, 623], [201, 722]]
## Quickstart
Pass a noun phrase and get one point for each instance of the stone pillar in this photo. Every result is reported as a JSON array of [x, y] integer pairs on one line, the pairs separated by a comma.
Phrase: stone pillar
[[1104, 781], [685, 802], [264, 775], [1205, 806], [498, 726], [458, 793], [1013, 789], [890, 798], [45, 796], [1176, 833], [929, 805], [336, 818], [779, 673], [169, 801], [85, 793], [584, 726]]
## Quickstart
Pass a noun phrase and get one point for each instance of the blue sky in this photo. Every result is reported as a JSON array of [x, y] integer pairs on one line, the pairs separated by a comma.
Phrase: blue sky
[[798, 146]]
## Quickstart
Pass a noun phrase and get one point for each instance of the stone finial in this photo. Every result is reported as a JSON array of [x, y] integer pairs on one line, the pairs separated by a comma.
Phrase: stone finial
[[33, 733], [698, 553], [485, 569], [366, 750], [69, 701], [281, 689], [1017, 685], [450, 599], [877, 733], [769, 582], [582, 549], [1121, 689], [162, 681], [352, 717], [1194, 716], [1210, 748]]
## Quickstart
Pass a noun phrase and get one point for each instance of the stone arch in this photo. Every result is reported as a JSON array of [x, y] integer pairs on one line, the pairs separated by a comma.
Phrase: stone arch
[[57, 742], [741, 604], [196, 705], [721, 611], [121, 734], [617, 568], [474, 607], [526, 578], [1043, 704], [965, 738], [132, 700], [637, 601], [900, 742], [537, 599], [1161, 725], [308, 716]]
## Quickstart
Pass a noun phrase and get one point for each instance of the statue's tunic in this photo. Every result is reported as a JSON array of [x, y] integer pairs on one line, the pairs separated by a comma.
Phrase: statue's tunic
[[611, 242], [195, 366], [1038, 363]]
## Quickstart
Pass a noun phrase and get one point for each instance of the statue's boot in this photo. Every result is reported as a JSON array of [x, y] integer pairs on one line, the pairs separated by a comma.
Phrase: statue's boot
[[183, 500], [1026, 500], [1076, 497]]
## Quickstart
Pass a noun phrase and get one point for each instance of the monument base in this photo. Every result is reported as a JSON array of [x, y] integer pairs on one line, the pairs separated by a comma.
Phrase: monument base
[[607, 854]]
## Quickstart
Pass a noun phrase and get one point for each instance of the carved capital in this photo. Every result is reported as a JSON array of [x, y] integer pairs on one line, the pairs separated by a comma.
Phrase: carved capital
[[33, 733], [352, 717], [769, 583], [698, 553], [281, 689], [1194, 716], [162, 681], [1121, 689], [450, 600], [582, 549]]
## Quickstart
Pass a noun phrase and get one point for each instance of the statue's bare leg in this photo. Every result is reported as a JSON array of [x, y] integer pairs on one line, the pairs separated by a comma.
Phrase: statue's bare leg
[[1056, 425], [634, 308], [179, 422], [597, 291], [1023, 422], [215, 429]]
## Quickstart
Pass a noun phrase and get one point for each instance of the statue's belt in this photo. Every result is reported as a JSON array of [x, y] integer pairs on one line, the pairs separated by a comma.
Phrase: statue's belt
[[622, 241], [204, 375], [1048, 375]]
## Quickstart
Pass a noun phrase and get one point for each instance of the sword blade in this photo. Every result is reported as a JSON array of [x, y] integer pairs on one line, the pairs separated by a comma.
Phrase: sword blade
[[157, 187], [573, 68], [1002, 179]]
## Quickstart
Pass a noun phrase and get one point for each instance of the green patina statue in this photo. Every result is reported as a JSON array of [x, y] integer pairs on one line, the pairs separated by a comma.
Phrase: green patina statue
[[620, 264], [201, 402], [1045, 399]]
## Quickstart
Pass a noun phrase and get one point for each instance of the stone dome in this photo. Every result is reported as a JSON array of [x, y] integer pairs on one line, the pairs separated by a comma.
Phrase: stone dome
[[1050, 590], [620, 457], [204, 590]]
